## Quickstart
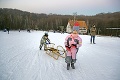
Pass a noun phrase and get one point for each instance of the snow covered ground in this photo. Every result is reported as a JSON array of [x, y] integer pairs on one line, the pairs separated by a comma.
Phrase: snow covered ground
[[21, 59]]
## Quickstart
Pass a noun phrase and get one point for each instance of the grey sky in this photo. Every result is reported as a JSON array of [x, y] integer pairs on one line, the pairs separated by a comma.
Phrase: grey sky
[[85, 7]]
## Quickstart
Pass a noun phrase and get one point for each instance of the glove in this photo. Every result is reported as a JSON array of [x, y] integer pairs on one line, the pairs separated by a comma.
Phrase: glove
[[74, 45], [77, 50], [67, 46]]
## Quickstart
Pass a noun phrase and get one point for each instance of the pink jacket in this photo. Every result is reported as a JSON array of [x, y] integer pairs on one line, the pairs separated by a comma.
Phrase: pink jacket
[[73, 39]]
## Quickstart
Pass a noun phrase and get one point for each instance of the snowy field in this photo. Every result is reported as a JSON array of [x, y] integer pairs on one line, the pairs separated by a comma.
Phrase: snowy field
[[21, 59]]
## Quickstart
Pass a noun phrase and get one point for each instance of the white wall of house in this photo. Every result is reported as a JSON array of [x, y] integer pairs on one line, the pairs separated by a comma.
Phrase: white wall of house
[[68, 29], [82, 30]]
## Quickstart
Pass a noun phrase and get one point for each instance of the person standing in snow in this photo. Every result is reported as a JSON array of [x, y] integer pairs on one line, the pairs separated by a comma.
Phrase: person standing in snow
[[8, 29], [19, 30], [44, 41], [72, 44], [92, 33]]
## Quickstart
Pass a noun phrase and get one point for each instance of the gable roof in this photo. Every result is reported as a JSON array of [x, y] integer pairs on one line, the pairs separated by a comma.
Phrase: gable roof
[[82, 24]]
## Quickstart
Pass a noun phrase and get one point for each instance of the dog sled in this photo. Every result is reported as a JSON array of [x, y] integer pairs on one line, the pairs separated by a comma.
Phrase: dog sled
[[57, 52]]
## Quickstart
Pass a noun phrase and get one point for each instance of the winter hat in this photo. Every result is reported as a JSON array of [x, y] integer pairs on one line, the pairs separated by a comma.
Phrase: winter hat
[[76, 27], [76, 24], [46, 34]]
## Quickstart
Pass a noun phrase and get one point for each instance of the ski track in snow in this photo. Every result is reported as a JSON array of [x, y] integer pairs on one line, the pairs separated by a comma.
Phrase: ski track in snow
[[21, 59]]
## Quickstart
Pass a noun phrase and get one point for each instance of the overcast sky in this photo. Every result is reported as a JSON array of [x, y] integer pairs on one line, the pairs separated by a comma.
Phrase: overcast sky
[[82, 7]]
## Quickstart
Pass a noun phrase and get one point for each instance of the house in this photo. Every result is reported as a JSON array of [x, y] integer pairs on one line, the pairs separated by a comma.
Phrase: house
[[69, 26], [81, 24]]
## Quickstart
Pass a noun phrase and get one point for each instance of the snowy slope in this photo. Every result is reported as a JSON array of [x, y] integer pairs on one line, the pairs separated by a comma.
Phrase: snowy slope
[[21, 59]]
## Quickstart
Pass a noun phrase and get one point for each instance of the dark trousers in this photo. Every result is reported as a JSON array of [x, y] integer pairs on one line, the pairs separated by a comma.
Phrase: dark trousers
[[92, 39], [8, 31]]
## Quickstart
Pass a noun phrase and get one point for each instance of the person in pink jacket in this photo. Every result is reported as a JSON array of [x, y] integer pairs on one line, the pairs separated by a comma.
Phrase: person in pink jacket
[[72, 44]]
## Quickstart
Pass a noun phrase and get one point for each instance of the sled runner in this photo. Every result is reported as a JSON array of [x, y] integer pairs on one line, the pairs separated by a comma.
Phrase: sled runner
[[55, 52]]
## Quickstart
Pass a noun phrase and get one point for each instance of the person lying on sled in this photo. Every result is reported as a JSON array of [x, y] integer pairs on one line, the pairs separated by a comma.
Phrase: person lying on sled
[[72, 44], [44, 41]]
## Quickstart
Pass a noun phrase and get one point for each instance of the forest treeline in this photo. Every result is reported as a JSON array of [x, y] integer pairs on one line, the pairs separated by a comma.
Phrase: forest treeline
[[106, 23]]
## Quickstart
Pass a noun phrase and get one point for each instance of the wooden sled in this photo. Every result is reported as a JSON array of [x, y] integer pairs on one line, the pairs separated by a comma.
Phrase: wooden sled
[[55, 52]]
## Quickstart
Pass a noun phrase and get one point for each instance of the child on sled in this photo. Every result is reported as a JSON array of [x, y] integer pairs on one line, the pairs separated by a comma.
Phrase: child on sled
[[72, 44], [44, 41]]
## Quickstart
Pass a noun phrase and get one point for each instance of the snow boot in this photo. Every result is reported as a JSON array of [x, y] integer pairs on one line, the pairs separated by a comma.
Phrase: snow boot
[[68, 66], [40, 47], [72, 65]]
